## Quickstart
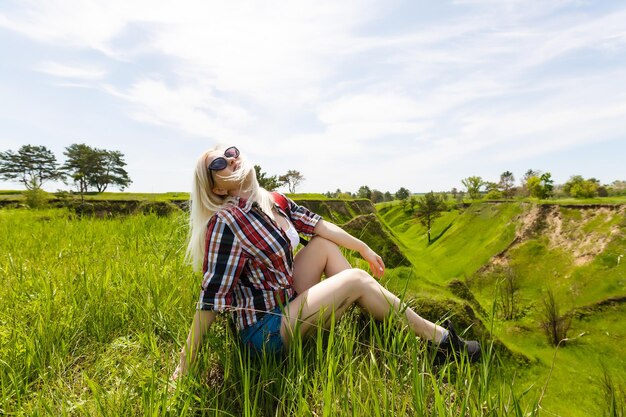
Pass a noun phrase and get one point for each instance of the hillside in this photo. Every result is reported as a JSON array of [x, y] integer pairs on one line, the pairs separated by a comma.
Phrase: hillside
[[574, 251], [358, 217]]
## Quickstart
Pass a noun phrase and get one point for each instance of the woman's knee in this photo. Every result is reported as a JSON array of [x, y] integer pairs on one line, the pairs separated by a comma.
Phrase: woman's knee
[[358, 278]]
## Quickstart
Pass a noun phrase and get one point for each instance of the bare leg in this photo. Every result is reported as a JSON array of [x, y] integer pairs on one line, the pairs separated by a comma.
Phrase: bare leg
[[339, 291], [318, 257]]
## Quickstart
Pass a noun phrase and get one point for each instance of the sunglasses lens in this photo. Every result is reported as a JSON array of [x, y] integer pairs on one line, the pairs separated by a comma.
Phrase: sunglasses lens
[[231, 152], [218, 164]]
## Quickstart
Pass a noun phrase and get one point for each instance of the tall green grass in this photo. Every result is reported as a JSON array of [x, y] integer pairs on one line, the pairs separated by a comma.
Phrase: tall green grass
[[93, 312]]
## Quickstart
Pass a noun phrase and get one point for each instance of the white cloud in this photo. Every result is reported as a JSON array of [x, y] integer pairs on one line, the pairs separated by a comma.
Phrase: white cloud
[[72, 71], [187, 108]]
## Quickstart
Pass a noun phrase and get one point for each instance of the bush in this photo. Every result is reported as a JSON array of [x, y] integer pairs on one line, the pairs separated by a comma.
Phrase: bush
[[494, 195], [36, 198], [554, 325]]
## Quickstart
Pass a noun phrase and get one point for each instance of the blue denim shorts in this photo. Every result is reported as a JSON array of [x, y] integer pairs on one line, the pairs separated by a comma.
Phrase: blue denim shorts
[[264, 335]]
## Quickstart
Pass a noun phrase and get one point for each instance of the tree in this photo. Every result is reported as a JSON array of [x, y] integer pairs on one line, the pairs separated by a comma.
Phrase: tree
[[473, 185], [387, 196], [578, 187], [364, 192], [540, 186], [110, 171], [92, 167], [525, 191], [377, 196], [617, 187], [292, 178], [429, 207], [507, 182], [402, 193], [30, 165], [270, 183]]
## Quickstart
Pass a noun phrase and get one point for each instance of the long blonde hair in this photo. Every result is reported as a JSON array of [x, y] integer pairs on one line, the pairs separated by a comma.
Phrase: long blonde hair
[[204, 203]]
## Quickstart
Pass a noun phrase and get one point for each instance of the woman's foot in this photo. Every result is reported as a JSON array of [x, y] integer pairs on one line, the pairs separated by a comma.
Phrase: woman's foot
[[452, 344]]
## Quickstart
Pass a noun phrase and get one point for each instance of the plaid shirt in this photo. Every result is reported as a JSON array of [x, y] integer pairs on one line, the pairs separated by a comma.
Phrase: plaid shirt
[[248, 265]]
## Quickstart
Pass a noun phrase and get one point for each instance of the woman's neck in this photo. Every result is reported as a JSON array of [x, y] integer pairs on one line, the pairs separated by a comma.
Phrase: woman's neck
[[245, 194]]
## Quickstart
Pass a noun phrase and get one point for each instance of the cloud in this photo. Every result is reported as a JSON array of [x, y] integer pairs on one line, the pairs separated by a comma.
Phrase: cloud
[[72, 71], [194, 111]]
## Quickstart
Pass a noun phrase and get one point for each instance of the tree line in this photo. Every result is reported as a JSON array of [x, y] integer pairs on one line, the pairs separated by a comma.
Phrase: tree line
[[534, 183], [86, 167], [538, 184]]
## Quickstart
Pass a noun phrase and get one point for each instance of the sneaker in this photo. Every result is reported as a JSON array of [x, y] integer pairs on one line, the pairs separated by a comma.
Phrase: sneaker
[[454, 344]]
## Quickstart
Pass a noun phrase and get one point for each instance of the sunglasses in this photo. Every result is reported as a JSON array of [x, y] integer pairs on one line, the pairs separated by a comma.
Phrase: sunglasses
[[220, 162]]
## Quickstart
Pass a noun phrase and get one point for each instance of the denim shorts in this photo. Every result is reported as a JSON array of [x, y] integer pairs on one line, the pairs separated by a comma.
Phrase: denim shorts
[[264, 335]]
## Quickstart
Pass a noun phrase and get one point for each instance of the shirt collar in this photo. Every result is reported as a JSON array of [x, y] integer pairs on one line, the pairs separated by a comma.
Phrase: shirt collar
[[244, 204]]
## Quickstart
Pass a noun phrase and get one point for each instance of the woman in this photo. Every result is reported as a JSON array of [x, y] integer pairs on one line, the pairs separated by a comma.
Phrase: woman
[[244, 242]]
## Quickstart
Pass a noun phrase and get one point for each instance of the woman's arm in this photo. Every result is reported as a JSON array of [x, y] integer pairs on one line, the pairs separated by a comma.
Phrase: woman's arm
[[202, 320], [339, 236]]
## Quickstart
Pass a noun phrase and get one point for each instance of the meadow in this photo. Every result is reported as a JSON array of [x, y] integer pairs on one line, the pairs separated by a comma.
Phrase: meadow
[[93, 312]]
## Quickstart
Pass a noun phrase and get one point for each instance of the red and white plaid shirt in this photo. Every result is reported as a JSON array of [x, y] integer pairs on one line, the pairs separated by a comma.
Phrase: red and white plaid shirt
[[248, 265]]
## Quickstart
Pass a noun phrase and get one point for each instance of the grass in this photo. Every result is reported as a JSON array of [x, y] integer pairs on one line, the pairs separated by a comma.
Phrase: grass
[[93, 312], [462, 242], [473, 236]]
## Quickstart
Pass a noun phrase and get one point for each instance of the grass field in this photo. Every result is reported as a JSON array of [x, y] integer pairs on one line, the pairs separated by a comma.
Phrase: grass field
[[93, 311]]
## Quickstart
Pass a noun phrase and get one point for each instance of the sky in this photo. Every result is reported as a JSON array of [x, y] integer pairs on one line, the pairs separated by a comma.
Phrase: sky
[[383, 93]]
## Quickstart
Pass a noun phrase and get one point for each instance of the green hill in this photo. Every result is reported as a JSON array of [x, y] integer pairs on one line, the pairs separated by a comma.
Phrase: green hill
[[574, 251]]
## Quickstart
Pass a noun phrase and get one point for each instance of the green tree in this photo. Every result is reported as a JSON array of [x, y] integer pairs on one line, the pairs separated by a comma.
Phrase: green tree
[[402, 193], [525, 191], [30, 165], [387, 196], [80, 165], [473, 185], [428, 208], [364, 192], [540, 186], [110, 171], [292, 178], [92, 167], [506, 184], [617, 187], [377, 196], [270, 183], [578, 187]]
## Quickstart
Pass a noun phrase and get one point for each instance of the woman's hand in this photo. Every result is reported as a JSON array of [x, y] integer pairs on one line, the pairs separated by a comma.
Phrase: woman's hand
[[377, 266]]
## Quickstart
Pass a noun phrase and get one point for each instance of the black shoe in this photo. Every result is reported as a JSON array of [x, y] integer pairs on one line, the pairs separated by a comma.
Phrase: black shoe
[[455, 345]]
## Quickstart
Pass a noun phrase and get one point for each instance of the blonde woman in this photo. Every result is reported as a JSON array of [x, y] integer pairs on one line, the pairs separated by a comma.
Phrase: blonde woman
[[243, 242]]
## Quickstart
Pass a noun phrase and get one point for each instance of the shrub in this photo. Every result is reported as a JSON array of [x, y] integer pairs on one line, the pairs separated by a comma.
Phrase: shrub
[[36, 198], [554, 325], [494, 195]]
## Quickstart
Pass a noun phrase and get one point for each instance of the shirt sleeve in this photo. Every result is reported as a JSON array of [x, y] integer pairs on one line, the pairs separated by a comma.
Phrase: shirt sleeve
[[302, 218], [223, 264]]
